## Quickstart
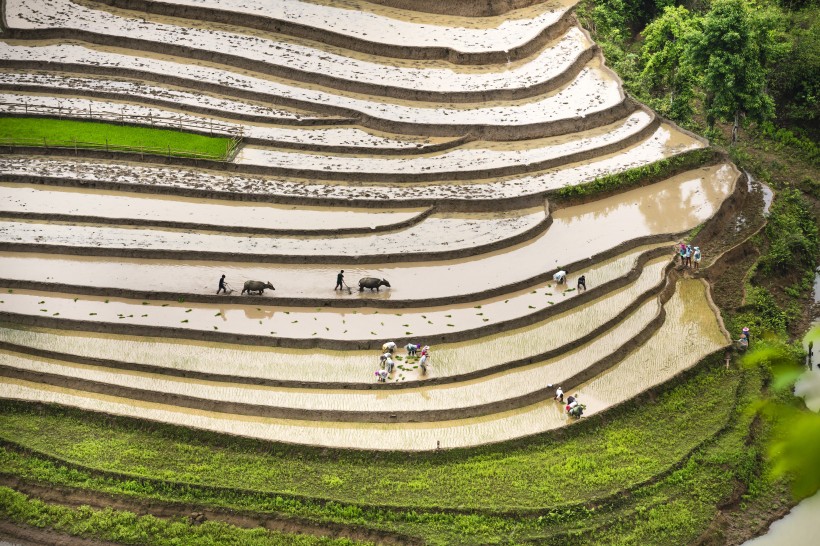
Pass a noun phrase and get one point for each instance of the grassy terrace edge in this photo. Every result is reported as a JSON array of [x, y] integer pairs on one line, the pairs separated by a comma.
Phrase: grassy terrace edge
[[638, 176], [95, 443], [576, 465], [110, 137]]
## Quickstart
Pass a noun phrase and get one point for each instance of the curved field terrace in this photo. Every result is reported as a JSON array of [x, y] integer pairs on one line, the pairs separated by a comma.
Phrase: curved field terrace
[[463, 157]]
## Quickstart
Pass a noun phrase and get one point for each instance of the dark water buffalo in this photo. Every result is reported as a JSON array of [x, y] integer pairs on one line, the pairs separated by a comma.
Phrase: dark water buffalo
[[371, 283], [256, 286]]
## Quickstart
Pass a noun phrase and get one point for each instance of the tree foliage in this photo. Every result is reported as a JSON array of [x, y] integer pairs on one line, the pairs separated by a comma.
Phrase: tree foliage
[[731, 49], [666, 70], [728, 60], [794, 448]]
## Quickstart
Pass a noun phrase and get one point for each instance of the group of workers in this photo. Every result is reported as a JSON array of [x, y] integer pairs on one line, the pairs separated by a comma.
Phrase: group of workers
[[573, 407], [387, 364], [560, 277], [689, 254]]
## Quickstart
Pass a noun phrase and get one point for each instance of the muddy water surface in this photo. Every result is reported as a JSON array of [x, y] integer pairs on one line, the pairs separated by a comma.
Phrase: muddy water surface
[[401, 436], [473, 157], [594, 89], [486, 390], [237, 214], [437, 233], [133, 90], [118, 111], [347, 366], [298, 55], [671, 206], [374, 23]]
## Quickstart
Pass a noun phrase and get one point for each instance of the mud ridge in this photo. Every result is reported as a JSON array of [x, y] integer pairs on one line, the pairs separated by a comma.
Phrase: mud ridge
[[477, 131], [593, 422], [658, 290], [463, 8], [205, 255], [456, 204], [242, 230], [76, 497], [36, 536], [328, 37]]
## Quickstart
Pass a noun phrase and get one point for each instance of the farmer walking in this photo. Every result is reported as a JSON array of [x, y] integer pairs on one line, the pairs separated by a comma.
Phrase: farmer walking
[[340, 280], [222, 285]]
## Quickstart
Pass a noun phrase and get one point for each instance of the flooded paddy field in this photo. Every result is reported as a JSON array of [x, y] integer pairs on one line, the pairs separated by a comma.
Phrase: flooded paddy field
[[691, 332], [594, 90], [474, 160], [122, 208], [297, 59], [137, 91], [462, 230], [576, 233], [657, 354], [513, 305], [418, 148], [492, 389], [490, 351], [665, 142], [364, 23]]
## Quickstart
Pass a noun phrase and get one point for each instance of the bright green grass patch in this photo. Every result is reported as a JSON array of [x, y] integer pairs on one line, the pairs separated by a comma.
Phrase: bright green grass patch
[[634, 445], [90, 134], [127, 528]]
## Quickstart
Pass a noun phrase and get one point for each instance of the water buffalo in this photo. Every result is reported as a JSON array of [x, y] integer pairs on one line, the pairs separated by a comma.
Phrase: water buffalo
[[371, 283], [256, 286]]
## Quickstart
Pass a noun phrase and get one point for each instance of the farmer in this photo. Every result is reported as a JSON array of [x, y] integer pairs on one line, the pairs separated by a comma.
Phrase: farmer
[[389, 347], [559, 394], [412, 348], [423, 362], [697, 256], [222, 285], [560, 277], [340, 280], [582, 282], [388, 362]]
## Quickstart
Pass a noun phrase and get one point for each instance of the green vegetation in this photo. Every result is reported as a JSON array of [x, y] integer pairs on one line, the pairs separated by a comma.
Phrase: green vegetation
[[784, 272], [722, 60], [795, 444], [127, 528], [107, 136], [548, 486], [645, 174]]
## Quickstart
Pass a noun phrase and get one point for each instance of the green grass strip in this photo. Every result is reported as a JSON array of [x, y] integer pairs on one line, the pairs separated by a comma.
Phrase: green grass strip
[[64, 133], [652, 172], [633, 446], [127, 528]]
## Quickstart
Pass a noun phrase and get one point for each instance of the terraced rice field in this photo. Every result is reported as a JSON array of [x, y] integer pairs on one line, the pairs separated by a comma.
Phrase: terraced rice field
[[427, 150]]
